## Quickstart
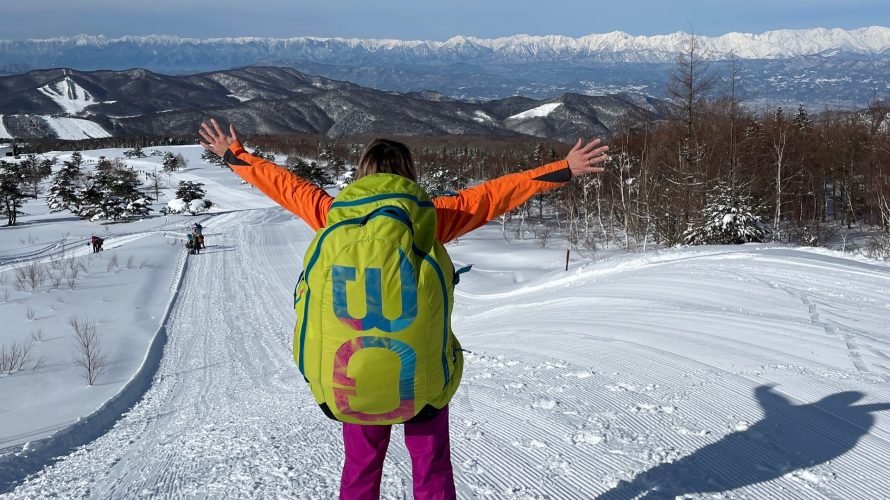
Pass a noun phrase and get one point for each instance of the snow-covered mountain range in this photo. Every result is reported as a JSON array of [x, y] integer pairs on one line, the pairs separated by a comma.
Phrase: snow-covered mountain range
[[616, 46], [69, 104], [818, 67]]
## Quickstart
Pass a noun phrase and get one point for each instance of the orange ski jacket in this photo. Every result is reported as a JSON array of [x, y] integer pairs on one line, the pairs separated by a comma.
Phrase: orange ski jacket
[[456, 215]]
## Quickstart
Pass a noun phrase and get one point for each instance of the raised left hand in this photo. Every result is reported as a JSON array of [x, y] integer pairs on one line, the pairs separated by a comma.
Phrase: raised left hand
[[583, 159], [215, 140]]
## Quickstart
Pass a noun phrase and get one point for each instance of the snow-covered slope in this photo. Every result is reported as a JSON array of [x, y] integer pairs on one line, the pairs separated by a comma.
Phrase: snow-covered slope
[[538, 112], [4, 134], [744, 372], [74, 128], [71, 97]]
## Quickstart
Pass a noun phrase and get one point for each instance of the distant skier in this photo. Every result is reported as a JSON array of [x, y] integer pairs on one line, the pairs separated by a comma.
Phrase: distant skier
[[96, 243], [380, 241], [190, 243]]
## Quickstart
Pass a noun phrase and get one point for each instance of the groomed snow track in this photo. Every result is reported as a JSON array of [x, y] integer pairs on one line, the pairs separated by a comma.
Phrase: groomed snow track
[[745, 373]]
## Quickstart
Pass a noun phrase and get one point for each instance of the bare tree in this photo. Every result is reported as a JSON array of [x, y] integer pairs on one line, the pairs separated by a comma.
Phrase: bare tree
[[779, 141], [88, 349], [14, 356], [30, 276], [155, 183]]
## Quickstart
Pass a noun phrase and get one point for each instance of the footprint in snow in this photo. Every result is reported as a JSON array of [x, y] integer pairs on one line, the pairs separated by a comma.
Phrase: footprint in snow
[[473, 467], [529, 444], [545, 404], [586, 438], [654, 409]]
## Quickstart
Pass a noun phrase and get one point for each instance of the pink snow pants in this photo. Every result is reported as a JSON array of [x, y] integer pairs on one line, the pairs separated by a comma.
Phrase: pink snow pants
[[430, 449]]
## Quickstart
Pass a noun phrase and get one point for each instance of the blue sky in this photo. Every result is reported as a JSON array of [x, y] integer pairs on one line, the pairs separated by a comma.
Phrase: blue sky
[[426, 19]]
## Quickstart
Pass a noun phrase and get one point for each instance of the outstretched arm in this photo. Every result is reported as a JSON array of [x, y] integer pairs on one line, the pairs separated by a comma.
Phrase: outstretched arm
[[300, 196], [476, 206]]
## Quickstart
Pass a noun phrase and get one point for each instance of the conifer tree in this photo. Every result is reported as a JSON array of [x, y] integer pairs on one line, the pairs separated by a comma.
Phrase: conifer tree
[[11, 195], [188, 191], [64, 193], [113, 194], [311, 171], [727, 218]]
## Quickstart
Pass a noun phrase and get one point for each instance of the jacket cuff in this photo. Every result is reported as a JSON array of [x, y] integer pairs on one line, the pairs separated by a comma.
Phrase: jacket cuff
[[231, 156], [557, 172]]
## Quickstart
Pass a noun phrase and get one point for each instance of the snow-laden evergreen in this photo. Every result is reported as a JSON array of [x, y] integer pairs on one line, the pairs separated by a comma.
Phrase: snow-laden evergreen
[[65, 189], [189, 199], [113, 194], [728, 217]]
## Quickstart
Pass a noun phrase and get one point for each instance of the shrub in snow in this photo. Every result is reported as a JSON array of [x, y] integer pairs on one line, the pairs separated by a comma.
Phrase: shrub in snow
[[311, 171], [134, 153], [214, 159], [346, 178], [14, 356], [728, 218], [441, 181], [88, 351], [188, 190], [174, 162], [199, 205], [180, 206]]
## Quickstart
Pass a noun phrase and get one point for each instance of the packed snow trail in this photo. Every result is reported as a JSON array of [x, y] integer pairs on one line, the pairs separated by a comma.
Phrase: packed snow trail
[[748, 372]]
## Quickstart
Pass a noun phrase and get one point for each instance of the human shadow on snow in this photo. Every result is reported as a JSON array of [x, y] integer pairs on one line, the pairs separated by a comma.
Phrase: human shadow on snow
[[788, 438]]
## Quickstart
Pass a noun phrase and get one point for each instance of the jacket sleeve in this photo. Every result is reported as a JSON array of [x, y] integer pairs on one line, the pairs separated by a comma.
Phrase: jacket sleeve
[[306, 200], [476, 206]]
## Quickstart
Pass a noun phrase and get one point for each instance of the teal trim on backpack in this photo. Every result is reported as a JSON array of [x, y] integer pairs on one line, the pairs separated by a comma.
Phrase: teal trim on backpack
[[438, 270], [308, 290], [460, 271], [394, 196]]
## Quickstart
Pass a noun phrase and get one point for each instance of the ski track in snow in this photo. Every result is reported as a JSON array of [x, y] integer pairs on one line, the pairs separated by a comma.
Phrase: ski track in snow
[[619, 379]]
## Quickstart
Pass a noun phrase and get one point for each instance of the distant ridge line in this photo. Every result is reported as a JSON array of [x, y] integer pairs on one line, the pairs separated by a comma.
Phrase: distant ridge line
[[774, 44]]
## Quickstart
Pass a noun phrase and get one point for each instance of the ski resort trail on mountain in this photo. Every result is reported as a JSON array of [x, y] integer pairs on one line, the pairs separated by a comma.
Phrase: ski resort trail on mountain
[[748, 372]]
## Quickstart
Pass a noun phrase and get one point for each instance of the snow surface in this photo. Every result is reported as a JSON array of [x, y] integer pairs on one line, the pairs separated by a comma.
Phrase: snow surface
[[70, 96], [74, 128], [4, 134], [541, 111], [738, 372]]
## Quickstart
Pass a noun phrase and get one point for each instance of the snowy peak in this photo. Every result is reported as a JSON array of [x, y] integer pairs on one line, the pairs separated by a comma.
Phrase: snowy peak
[[769, 45], [68, 95]]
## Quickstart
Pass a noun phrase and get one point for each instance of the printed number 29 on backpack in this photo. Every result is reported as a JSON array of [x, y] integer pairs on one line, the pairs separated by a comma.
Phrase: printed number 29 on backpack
[[373, 335]]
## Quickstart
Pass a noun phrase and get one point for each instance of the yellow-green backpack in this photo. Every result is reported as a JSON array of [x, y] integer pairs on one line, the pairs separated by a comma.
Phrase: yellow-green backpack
[[373, 336]]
